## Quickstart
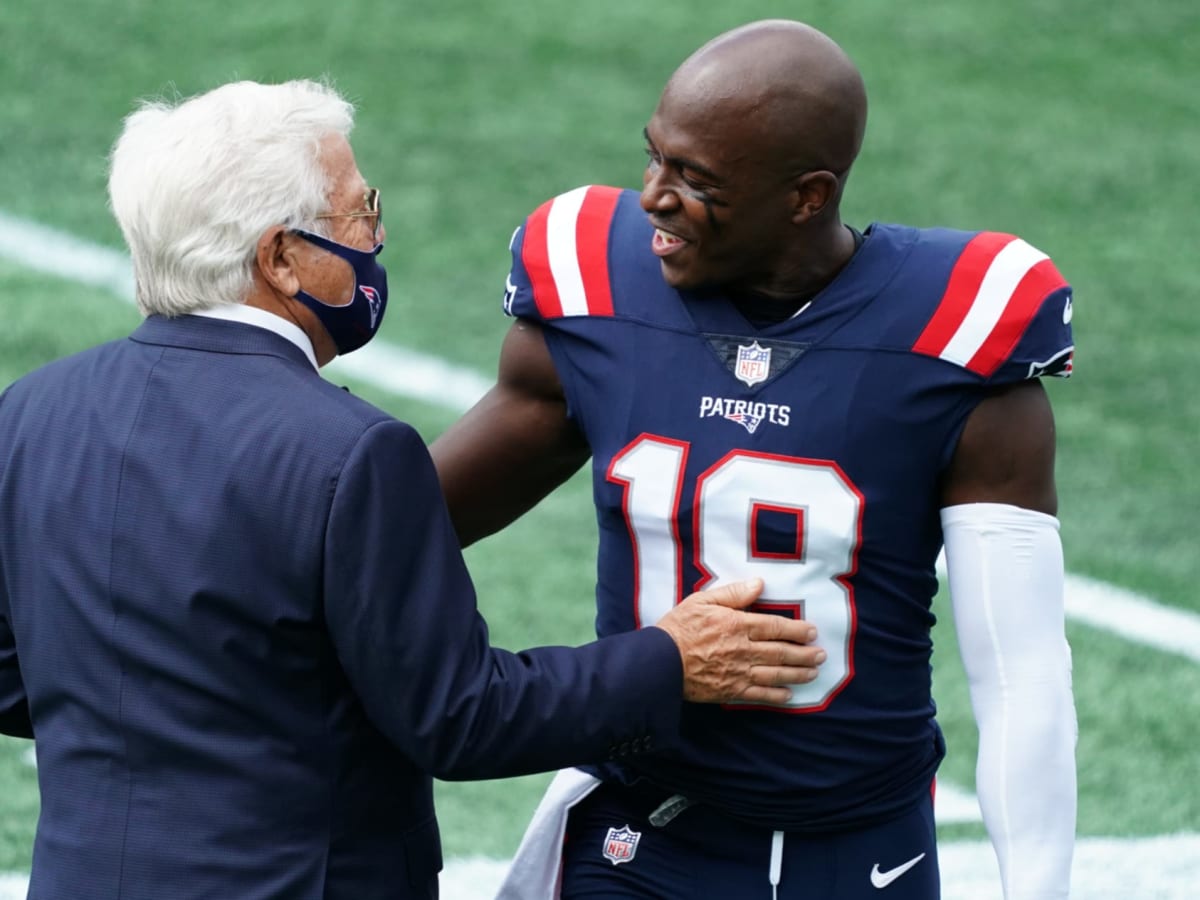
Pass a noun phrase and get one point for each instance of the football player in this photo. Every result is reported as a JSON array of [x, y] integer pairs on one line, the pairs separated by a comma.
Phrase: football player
[[764, 390]]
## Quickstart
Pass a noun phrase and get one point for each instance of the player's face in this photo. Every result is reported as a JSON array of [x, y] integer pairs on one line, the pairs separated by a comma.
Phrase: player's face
[[719, 206]]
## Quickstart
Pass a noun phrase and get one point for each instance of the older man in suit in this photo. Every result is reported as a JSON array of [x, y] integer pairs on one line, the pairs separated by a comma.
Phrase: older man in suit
[[233, 610]]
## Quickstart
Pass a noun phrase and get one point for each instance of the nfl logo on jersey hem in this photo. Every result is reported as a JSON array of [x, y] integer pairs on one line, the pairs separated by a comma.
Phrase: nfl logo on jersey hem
[[620, 844]]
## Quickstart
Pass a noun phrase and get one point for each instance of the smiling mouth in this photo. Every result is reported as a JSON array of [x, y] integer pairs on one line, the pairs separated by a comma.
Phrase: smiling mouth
[[665, 243]]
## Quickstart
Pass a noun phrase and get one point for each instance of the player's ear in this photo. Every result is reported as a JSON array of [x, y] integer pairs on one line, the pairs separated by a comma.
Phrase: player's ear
[[812, 193], [275, 254]]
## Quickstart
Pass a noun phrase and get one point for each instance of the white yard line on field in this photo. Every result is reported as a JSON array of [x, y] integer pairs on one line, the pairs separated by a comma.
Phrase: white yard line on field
[[1133, 617], [405, 373], [65, 256], [1127, 615]]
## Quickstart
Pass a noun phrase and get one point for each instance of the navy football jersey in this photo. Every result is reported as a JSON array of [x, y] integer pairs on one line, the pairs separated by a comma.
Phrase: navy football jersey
[[806, 452]]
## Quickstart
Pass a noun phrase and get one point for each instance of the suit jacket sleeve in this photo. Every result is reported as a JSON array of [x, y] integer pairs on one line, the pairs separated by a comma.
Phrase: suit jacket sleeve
[[402, 613]]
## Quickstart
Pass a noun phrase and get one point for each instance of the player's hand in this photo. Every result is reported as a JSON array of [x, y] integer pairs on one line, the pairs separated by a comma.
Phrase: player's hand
[[729, 654]]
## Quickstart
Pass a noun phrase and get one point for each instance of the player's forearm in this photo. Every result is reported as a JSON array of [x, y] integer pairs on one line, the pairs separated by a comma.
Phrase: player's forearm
[[1025, 779]]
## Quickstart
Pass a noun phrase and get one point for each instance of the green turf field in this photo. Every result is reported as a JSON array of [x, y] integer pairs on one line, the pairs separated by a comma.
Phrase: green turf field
[[1074, 124]]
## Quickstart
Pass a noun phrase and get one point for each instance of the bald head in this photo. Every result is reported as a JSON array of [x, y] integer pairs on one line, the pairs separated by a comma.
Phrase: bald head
[[787, 86]]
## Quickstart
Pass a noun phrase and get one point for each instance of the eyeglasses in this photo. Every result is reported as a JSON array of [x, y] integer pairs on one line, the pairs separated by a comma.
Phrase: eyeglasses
[[372, 206]]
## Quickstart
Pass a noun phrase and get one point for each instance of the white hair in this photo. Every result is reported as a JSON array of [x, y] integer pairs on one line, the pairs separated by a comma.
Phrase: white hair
[[194, 184]]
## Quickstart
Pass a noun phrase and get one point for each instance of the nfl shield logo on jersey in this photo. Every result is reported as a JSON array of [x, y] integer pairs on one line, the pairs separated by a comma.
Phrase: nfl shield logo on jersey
[[753, 364], [621, 844]]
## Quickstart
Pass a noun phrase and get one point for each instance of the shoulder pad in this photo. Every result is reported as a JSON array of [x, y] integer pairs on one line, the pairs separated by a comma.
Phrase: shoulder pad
[[560, 257], [996, 301]]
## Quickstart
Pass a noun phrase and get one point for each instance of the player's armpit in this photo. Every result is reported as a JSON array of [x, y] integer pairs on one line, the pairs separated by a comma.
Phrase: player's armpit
[[1006, 452], [514, 446]]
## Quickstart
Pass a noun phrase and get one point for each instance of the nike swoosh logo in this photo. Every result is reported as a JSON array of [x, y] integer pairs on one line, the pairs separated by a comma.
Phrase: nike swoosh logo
[[883, 879]]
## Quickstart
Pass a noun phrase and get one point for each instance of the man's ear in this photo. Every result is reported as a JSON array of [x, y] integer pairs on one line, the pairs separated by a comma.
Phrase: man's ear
[[813, 192], [276, 256]]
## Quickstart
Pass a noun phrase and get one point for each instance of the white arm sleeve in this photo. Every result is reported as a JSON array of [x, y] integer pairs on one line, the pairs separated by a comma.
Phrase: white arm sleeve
[[1005, 569]]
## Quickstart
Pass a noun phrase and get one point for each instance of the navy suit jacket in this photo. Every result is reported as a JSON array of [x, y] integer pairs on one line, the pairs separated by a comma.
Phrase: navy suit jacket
[[234, 614]]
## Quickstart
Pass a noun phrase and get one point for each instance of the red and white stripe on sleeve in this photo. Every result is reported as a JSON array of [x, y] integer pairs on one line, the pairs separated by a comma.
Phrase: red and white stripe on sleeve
[[992, 295], [565, 253]]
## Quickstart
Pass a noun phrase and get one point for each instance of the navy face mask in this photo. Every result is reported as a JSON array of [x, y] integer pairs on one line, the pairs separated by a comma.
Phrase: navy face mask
[[354, 324]]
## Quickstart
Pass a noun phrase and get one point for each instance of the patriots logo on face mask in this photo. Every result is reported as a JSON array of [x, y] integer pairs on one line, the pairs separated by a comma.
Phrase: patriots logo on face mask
[[345, 323], [372, 296]]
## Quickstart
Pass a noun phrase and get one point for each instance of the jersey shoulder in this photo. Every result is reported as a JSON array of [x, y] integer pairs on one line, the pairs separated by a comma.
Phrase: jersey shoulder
[[563, 254], [987, 302]]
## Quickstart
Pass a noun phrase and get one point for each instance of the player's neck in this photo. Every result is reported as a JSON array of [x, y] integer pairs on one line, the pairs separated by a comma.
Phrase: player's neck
[[812, 269]]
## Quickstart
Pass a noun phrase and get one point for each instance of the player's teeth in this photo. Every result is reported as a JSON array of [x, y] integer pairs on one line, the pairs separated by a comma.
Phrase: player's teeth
[[667, 238]]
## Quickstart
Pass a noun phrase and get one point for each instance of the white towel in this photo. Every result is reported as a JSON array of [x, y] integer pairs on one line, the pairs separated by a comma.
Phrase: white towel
[[535, 873]]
